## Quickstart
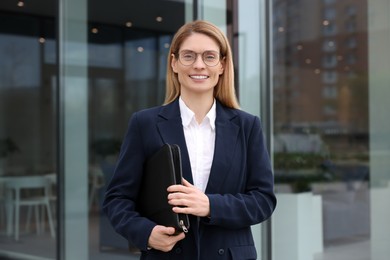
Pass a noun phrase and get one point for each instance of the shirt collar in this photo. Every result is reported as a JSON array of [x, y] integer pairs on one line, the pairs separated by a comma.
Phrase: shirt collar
[[212, 114], [187, 115]]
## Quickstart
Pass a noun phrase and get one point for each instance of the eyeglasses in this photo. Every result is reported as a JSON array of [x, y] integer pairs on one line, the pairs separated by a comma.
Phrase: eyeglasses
[[210, 58]]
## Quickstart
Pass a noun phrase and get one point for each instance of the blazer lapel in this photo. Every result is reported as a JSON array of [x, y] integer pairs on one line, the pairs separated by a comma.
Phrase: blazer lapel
[[225, 143], [170, 128]]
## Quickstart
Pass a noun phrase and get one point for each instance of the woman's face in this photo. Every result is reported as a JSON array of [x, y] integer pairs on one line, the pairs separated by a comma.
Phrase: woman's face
[[198, 78]]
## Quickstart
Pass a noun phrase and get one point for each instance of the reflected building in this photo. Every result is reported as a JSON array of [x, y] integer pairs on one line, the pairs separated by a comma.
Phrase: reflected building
[[321, 64]]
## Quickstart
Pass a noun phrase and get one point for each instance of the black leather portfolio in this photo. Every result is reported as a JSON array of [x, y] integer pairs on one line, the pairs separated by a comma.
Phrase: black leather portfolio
[[161, 170]]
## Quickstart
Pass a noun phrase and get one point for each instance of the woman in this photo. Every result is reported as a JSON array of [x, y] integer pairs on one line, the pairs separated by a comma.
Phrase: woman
[[228, 181]]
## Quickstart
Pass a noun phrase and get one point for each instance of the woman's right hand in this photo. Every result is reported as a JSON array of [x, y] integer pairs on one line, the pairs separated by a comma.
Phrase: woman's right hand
[[162, 238]]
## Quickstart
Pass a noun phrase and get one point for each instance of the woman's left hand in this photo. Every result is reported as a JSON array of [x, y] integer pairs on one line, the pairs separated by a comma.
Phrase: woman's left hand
[[187, 199]]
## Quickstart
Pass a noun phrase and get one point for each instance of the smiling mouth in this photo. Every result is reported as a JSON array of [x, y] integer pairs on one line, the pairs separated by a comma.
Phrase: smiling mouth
[[199, 77]]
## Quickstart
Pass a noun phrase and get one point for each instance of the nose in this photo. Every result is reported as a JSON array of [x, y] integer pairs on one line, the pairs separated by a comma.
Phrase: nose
[[199, 63]]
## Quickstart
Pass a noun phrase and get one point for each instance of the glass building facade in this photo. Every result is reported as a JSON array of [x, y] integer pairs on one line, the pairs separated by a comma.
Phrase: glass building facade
[[316, 71]]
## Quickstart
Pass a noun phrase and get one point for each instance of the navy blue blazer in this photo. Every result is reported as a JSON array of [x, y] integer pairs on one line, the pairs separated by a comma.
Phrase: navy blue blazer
[[240, 187]]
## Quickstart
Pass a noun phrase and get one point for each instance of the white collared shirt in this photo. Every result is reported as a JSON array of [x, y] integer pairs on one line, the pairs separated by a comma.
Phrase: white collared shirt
[[200, 141]]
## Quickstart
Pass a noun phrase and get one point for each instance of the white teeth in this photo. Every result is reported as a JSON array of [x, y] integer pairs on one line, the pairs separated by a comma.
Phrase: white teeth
[[199, 77]]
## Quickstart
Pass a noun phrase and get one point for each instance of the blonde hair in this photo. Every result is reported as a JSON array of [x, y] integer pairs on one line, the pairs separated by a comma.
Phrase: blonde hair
[[224, 91]]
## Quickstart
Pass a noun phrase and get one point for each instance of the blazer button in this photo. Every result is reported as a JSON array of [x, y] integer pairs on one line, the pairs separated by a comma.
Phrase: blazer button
[[178, 250], [221, 251]]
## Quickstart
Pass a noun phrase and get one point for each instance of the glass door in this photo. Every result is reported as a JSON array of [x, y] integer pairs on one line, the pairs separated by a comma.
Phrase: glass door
[[28, 148], [127, 52]]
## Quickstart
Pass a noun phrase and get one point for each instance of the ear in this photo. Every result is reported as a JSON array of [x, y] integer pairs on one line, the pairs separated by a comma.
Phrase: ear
[[174, 63], [222, 66]]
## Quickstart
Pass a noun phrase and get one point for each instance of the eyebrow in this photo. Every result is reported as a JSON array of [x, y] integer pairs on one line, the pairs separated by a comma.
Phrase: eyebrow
[[198, 52]]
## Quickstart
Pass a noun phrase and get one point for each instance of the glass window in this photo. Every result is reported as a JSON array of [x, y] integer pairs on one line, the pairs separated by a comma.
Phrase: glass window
[[329, 46], [350, 26], [350, 10], [330, 92], [329, 13], [351, 58], [329, 110], [351, 42], [329, 77], [329, 158], [28, 147], [329, 61], [329, 29]]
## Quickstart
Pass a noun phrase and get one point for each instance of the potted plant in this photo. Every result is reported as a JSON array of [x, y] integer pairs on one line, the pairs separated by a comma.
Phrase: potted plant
[[299, 170]]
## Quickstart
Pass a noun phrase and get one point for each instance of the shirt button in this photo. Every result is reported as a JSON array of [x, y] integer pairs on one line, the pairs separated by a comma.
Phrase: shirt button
[[221, 251], [178, 250]]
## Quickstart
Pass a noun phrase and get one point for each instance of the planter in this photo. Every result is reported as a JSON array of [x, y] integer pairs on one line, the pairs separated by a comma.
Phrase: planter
[[297, 226], [380, 228], [299, 179]]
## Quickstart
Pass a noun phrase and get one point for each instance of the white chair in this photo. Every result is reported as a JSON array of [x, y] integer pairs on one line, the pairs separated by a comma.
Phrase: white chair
[[14, 187], [52, 194], [52, 177], [2, 204]]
